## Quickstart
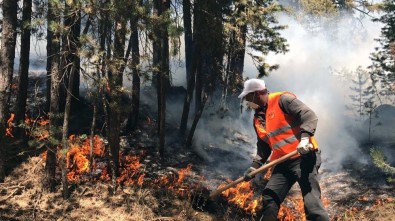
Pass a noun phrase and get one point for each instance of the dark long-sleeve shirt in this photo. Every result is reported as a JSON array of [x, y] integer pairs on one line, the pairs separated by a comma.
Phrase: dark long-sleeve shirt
[[301, 113]]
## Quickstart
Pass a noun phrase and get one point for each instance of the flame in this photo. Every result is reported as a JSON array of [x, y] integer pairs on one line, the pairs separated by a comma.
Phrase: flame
[[8, 130], [130, 170], [268, 174], [242, 196], [78, 163], [183, 172], [78, 156], [39, 133], [292, 209], [140, 180]]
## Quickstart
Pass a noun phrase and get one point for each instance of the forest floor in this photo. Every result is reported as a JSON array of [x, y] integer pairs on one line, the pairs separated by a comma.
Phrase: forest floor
[[177, 187]]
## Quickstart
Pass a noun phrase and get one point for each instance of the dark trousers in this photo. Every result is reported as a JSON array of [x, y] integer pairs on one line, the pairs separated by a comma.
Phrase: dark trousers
[[303, 170]]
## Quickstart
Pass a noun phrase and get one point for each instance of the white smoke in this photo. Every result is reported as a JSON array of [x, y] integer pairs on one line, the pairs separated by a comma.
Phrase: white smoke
[[306, 70]]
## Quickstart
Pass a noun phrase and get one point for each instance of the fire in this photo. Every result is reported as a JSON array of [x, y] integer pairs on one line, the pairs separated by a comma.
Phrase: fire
[[78, 155], [37, 129], [129, 170], [81, 166], [292, 209], [242, 196], [268, 174], [176, 183], [182, 173], [8, 130], [140, 180]]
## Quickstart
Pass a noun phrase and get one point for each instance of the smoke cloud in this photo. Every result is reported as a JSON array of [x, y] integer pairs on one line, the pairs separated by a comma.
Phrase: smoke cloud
[[307, 71]]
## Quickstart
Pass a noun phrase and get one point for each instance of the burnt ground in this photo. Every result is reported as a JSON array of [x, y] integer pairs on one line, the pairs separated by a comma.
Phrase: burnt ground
[[356, 191]]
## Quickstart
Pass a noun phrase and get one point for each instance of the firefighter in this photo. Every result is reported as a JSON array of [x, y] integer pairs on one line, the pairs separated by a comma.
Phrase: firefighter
[[283, 123]]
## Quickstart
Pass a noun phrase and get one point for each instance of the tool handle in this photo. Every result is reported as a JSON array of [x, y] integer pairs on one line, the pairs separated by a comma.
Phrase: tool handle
[[253, 173]]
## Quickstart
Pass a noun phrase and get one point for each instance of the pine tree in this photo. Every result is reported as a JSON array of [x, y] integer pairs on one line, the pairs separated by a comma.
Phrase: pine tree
[[363, 93], [380, 161], [382, 70]]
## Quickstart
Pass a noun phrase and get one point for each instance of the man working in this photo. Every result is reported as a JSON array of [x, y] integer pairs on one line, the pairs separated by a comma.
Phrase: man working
[[283, 123]]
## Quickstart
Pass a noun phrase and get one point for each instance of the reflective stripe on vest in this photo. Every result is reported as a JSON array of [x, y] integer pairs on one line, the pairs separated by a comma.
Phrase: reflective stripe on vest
[[280, 131]]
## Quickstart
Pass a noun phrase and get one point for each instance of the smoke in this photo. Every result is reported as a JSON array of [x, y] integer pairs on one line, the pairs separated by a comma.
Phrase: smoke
[[307, 71]]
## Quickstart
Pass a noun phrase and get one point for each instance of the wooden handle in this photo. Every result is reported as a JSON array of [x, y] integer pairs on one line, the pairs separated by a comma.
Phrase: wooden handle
[[253, 173]]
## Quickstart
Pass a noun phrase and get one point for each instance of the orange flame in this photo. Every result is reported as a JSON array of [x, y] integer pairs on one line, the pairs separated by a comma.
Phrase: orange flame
[[140, 180], [241, 196], [78, 164], [183, 172], [268, 174], [132, 164], [292, 210], [8, 131], [40, 133], [78, 156]]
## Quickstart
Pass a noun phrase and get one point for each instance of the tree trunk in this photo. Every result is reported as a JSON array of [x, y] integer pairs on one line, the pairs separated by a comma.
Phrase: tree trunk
[[208, 37], [23, 68], [188, 37], [7, 55], [134, 113], [198, 114], [236, 65], [190, 88], [54, 115], [115, 89], [161, 49], [49, 59], [71, 42], [190, 64], [92, 137], [65, 132]]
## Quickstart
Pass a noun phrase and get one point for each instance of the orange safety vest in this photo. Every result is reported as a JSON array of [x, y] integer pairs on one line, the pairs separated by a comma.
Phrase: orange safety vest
[[280, 131]]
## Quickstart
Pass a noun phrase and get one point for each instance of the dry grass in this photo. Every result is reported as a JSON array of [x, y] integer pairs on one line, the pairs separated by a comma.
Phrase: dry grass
[[22, 197], [384, 212]]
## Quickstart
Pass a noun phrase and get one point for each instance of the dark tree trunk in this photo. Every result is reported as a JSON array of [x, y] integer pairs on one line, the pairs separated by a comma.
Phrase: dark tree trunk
[[195, 122], [23, 68], [71, 42], [208, 37], [54, 115], [188, 37], [234, 73], [190, 64], [49, 59], [134, 113], [65, 132], [190, 88], [236, 63], [7, 55], [115, 90], [161, 50]]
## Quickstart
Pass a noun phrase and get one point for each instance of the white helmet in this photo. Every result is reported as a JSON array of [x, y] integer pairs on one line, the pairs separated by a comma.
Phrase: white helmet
[[252, 85]]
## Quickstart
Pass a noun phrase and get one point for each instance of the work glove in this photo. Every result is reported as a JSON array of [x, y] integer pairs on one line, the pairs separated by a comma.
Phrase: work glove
[[246, 176], [304, 146]]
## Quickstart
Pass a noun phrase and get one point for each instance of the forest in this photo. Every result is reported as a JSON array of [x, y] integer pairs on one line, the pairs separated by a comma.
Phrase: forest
[[129, 109]]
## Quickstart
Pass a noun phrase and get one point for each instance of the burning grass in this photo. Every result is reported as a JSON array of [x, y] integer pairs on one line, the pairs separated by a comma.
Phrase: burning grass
[[151, 192]]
